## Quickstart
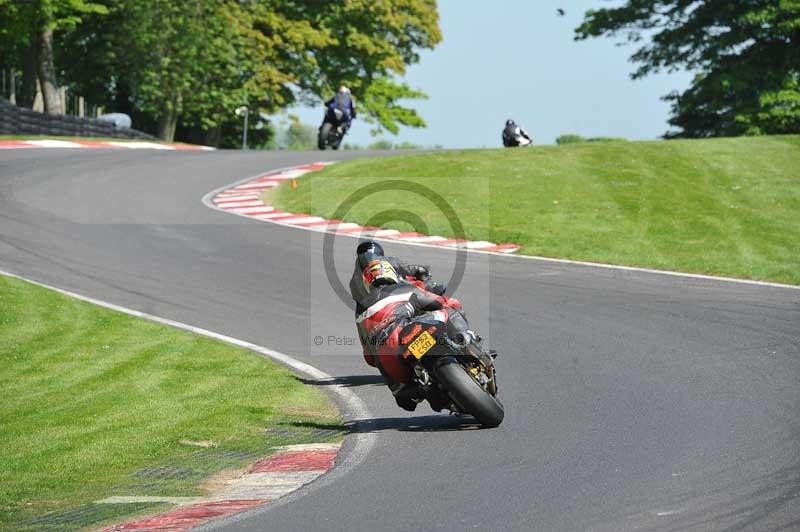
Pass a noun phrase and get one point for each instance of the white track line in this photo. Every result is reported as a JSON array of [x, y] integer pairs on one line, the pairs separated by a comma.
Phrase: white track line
[[48, 143], [254, 210], [88, 143], [245, 203]]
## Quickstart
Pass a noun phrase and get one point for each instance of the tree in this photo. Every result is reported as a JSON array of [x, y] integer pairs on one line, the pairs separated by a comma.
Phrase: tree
[[198, 60], [370, 43], [381, 144], [746, 53], [173, 43], [300, 136], [30, 27], [195, 61]]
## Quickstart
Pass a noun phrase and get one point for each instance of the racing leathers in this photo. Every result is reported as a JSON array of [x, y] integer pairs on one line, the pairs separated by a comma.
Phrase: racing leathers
[[383, 312], [514, 135], [345, 103]]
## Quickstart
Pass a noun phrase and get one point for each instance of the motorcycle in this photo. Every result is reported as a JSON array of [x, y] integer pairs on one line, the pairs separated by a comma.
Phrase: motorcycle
[[332, 130], [460, 379], [518, 142]]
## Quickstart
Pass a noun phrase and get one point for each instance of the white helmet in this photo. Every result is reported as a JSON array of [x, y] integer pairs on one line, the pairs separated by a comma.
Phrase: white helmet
[[344, 90]]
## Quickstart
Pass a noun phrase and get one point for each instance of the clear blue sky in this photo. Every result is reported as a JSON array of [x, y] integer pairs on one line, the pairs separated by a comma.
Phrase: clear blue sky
[[518, 59]]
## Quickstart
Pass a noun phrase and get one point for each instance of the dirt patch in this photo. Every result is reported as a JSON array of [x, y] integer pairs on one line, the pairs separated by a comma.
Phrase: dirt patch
[[219, 480]]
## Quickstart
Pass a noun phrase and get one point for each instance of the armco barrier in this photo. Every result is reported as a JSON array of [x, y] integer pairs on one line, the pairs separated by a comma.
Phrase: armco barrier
[[21, 121]]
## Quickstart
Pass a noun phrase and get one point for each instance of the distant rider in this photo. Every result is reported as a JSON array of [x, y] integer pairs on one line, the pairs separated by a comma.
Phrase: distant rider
[[389, 295], [343, 101], [514, 135]]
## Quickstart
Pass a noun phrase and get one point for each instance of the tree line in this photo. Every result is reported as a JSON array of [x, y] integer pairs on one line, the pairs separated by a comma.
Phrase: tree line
[[746, 55], [181, 67]]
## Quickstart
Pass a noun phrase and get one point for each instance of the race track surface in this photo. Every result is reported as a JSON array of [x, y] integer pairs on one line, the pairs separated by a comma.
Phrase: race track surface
[[634, 401]]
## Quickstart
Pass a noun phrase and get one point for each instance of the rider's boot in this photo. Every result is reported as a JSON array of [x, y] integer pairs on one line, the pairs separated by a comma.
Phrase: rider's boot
[[407, 396]]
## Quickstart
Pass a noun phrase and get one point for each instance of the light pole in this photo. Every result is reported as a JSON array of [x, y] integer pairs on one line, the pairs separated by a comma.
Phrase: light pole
[[244, 112]]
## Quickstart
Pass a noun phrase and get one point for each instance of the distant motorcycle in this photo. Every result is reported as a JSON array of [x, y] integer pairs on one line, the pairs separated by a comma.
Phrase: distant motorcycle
[[332, 130], [515, 136]]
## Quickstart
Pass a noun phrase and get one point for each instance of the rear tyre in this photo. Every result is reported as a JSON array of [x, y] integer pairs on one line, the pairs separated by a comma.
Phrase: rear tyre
[[470, 395], [324, 133]]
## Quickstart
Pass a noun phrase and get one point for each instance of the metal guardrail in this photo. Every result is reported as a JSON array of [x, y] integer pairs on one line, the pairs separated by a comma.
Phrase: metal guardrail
[[16, 120]]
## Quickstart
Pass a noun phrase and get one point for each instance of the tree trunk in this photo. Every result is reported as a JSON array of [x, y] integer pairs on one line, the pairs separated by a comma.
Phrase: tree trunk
[[47, 75], [29, 76], [167, 123]]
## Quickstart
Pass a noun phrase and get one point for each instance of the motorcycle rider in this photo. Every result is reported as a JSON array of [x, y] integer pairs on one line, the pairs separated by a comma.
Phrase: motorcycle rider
[[514, 135], [389, 296], [343, 100]]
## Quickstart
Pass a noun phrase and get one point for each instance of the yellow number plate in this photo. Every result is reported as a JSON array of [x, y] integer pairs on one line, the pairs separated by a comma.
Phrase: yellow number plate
[[423, 343]]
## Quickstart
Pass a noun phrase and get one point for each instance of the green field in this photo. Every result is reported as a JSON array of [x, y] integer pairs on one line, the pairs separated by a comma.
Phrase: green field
[[93, 402], [722, 206]]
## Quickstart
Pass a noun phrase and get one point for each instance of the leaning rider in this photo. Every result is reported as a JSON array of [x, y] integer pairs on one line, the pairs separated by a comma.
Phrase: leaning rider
[[514, 135], [389, 295], [343, 100]]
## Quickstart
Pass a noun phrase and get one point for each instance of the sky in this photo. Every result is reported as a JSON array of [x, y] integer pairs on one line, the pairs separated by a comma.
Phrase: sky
[[518, 59]]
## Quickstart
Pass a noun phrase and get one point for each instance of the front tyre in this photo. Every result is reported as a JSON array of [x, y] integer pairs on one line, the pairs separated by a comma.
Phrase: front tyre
[[470, 395], [324, 134]]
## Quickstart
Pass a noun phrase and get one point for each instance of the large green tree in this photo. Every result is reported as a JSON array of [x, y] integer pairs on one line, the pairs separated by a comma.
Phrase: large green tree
[[195, 61], [27, 30], [373, 43], [746, 54], [190, 60]]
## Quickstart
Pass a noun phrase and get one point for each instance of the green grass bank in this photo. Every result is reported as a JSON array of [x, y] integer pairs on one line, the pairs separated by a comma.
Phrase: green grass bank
[[727, 207], [95, 403]]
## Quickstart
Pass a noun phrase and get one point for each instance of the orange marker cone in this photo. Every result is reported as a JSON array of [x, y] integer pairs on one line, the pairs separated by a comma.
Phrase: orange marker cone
[[294, 184]]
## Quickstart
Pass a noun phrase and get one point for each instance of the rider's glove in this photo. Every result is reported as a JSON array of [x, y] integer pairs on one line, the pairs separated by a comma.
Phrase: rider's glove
[[421, 273], [436, 288]]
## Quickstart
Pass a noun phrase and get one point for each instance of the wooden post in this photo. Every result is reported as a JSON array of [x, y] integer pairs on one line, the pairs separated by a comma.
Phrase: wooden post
[[81, 106]]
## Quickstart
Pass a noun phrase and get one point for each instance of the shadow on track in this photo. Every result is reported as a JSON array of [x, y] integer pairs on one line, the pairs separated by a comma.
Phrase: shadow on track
[[432, 423], [424, 423], [346, 380]]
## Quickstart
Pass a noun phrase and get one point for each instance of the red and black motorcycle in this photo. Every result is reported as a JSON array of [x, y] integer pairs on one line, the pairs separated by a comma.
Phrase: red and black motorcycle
[[460, 379]]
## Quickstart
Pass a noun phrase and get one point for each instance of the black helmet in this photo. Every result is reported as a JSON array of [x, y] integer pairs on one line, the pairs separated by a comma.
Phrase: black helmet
[[369, 246], [510, 122]]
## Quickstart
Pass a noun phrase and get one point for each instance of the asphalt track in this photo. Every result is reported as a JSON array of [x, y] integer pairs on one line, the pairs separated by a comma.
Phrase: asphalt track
[[634, 401]]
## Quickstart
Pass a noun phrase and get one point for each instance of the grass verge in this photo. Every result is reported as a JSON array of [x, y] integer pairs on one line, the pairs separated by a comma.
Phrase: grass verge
[[722, 206], [95, 403]]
